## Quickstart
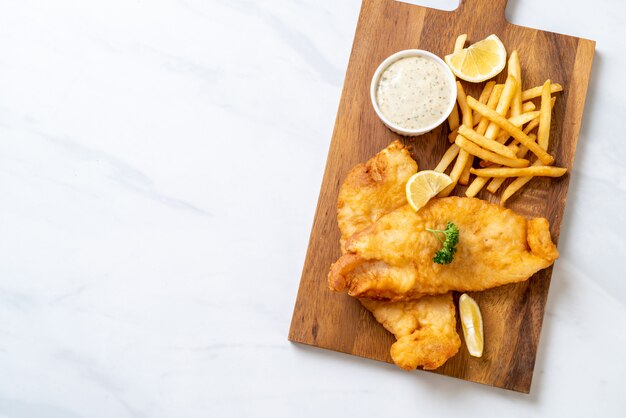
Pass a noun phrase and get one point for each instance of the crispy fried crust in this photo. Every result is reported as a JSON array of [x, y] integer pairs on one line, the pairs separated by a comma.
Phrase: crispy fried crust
[[337, 280], [425, 330], [496, 247], [374, 188], [539, 239]]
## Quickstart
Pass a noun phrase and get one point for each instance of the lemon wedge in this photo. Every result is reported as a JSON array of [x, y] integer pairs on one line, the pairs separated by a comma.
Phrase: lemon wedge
[[472, 323], [480, 61], [425, 185]]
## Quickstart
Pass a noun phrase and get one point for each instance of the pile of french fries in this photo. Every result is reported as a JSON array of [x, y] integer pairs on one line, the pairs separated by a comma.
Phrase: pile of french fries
[[497, 129]]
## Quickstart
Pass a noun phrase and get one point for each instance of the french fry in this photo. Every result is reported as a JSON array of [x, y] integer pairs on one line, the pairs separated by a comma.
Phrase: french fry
[[460, 42], [477, 184], [543, 139], [535, 122], [512, 188], [543, 133], [512, 129], [447, 158], [532, 125], [496, 93], [468, 122], [524, 150], [466, 112], [484, 154], [528, 107], [484, 98], [503, 105], [456, 172], [533, 171], [463, 156], [453, 119], [502, 138], [507, 95], [520, 152], [517, 121], [516, 71], [484, 126], [465, 175], [536, 91], [486, 143], [518, 107], [460, 170], [452, 135], [475, 187], [497, 182], [490, 130], [524, 118], [486, 93], [516, 184]]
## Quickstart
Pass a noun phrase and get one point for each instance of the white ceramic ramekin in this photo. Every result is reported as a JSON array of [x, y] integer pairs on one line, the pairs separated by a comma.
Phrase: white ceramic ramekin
[[413, 53]]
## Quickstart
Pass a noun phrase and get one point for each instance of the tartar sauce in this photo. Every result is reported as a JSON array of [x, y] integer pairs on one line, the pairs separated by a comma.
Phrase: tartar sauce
[[413, 92]]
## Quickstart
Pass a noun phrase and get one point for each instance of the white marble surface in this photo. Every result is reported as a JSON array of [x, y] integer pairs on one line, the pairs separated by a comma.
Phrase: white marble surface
[[160, 163]]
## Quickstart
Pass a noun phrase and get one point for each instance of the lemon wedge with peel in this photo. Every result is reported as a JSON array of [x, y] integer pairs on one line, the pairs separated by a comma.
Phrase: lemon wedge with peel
[[425, 185], [472, 323], [480, 61]]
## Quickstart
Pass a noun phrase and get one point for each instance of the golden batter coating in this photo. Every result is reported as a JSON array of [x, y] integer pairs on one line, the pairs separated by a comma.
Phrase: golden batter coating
[[374, 188], [393, 258], [426, 328]]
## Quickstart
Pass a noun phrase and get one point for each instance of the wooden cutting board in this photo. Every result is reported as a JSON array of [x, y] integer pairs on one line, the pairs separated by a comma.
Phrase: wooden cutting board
[[512, 314]]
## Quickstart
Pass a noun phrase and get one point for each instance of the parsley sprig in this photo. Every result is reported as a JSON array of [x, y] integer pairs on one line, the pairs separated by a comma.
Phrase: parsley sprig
[[446, 254]]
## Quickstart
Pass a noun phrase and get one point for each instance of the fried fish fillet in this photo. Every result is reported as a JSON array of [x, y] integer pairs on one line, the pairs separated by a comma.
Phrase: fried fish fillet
[[425, 328], [393, 258], [374, 188]]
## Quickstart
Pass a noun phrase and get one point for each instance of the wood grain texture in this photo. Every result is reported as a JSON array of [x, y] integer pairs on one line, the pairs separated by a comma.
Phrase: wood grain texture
[[512, 314]]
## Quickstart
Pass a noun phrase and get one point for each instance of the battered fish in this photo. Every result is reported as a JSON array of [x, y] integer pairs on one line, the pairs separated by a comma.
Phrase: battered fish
[[393, 258], [425, 328], [374, 188]]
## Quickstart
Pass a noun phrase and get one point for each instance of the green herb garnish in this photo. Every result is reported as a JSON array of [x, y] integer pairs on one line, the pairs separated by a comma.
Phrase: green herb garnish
[[446, 254]]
